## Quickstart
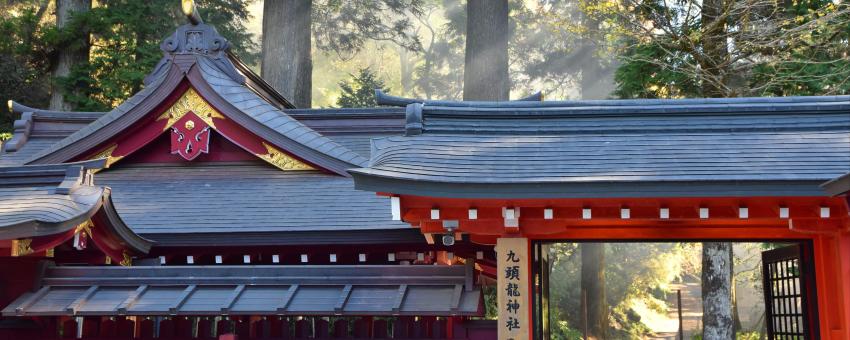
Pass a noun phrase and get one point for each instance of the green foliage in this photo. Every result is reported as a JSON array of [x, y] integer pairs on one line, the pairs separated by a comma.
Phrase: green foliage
[[562, 331], [344, 26], [738, 336], [360, 90], [491, 304], [25, 53], [126, 37], [632, 272], [647, 71], [773, 49]]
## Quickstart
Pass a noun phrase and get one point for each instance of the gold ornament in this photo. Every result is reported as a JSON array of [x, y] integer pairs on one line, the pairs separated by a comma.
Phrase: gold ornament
[[107, 153], [282, 160], [190, 101], [190, 124], [84, 228], [127, 261], [21, 247]]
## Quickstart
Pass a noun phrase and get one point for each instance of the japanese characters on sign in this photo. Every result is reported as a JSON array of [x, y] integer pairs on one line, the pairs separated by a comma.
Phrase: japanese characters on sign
[[513, 288]]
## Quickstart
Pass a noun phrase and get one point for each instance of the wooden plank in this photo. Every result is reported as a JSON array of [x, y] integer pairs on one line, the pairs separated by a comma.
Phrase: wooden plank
[[456, 296], [287, 298], [399, 298], [130, 300], [21, 309], [343, 299], [80, 301], [228, 303], [181, 299]]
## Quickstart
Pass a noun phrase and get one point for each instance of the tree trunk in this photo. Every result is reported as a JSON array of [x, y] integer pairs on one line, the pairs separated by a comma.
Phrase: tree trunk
[[287, 63], [717, 291], [485, 71], [736, 318], [593, 287], [715, 58], [68, 57], [590, 68], [406, 68]]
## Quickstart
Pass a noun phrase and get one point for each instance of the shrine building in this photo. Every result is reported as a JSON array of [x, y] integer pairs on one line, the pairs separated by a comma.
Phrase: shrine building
[[206, 206]]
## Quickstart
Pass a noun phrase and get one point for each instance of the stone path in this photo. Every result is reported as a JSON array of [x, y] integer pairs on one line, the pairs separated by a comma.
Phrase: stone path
[[691, 311]]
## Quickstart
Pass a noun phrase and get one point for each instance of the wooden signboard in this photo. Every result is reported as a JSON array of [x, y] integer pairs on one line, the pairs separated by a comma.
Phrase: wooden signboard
[[513, 293]]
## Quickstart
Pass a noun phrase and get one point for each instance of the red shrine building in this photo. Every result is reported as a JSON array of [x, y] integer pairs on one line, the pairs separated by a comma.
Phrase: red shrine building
[[207, 206]]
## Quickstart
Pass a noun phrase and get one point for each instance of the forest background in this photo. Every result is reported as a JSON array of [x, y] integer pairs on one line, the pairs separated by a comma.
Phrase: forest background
[[89, 55]]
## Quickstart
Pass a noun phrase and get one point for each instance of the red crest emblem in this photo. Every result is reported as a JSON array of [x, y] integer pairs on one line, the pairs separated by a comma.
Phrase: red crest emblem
[[190, 137]]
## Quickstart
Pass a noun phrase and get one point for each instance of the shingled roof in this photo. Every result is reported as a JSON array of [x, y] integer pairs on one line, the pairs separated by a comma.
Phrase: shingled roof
[[251, 290], [164, 201], [197, 54], [248, 198], [45, 200], [615, 148]]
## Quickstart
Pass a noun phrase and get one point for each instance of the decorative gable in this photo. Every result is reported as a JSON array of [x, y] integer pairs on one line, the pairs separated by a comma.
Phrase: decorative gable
[[196, 95], [189, 121]]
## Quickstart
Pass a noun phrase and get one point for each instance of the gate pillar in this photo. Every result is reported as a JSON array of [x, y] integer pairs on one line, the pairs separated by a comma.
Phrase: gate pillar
[[832, 270]]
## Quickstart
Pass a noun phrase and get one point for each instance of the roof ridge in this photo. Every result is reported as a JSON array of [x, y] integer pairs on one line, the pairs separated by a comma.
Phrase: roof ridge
[[542, 117]]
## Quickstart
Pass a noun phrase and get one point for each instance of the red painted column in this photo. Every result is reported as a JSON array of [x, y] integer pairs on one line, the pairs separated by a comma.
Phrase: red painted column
[[832, 275]]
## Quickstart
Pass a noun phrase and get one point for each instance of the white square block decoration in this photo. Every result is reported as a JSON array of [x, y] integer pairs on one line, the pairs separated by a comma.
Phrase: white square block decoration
[[664, 213], [743, 212], [304, 258], [824, 212], [420, 256], [218, 259], [361, 257], [703, 213], [784, 212], [391, 257], [332, 258], [246, 258], [548, 214], [395, 205], [473, 214], [479, 255], [586, 213], [162, 260], [435, 214], [625, 213], [275, 258], [190, 259]]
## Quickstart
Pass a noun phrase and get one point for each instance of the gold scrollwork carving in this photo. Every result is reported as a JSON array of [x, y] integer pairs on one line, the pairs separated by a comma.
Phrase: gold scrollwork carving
[[84, 228], [21, 247], [127, 261], [190, 101], [282, 160], [107, 153]]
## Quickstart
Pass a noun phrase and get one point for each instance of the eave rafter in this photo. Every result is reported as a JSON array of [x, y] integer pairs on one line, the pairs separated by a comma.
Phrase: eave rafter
[[756, 217]]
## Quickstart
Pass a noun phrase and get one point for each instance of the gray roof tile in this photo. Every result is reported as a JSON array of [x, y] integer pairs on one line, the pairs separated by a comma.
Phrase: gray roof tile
[[742, 139], [241, 198], [316, 290]]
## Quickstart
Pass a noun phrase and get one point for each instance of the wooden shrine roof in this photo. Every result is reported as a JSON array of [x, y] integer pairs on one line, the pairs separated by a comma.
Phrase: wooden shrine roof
[[176, 202], [615, 148], [234, 198], [49, 204], [252, 290], [206, 66], [44, 200]]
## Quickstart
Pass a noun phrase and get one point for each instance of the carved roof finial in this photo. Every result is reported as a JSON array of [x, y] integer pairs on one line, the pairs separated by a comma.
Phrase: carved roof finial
[[191, 11]]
